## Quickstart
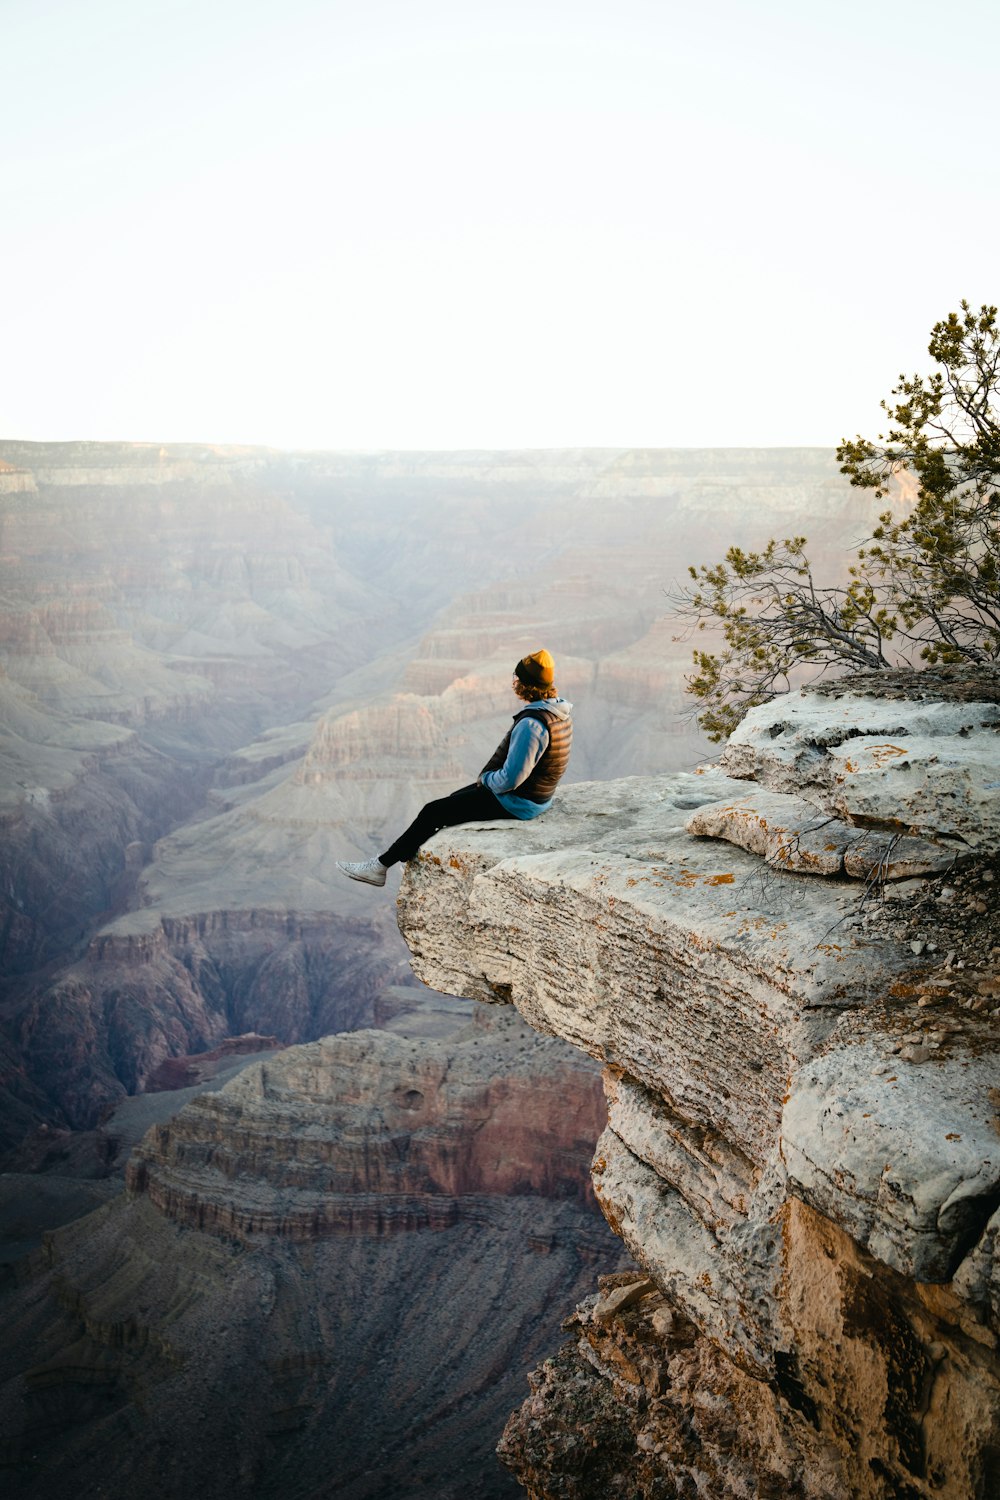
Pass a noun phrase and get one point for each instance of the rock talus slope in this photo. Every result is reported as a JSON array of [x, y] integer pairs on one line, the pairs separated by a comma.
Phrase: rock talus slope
[[790, 966]]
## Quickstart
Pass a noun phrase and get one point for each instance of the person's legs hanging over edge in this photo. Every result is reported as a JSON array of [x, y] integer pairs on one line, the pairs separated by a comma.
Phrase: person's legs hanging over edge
[[470, 804]]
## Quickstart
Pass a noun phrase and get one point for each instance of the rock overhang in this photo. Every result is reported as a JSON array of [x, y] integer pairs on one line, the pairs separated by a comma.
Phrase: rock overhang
[[624, 845], [684, 961]]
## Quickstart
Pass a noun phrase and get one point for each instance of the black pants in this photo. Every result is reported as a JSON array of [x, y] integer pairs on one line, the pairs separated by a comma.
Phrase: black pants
[[470, 804]]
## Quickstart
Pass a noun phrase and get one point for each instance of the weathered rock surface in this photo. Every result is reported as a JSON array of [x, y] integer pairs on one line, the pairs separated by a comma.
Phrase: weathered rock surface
[[799, 836], [926, 768], [803, 1146], [906, 1158], [640, 944]]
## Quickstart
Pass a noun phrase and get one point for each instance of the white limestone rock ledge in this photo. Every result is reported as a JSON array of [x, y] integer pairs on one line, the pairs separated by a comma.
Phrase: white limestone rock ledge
[[685, 962], [929, 769], [818, 1201], [800, 837]]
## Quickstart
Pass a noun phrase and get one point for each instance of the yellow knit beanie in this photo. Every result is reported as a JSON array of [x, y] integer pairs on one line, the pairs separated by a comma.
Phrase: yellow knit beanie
[[536, 670]]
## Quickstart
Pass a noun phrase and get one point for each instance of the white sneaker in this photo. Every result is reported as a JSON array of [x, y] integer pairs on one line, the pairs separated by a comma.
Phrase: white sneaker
[[371, 871]]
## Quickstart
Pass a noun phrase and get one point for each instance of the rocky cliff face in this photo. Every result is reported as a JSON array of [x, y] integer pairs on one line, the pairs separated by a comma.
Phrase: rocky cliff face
[[160, 987], [328, 1277], [790, 965]]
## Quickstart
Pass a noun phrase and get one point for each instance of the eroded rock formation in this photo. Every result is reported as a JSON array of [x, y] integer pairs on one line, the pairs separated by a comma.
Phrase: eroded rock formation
[[371, 1131], [163, 986], [328, 1277], [803, 1147]]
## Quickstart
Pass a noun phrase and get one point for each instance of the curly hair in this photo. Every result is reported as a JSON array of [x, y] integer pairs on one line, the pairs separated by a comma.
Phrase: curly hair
[[529, 694]]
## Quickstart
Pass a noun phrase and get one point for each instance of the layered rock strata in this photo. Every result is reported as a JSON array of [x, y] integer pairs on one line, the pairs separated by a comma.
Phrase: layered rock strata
[[329, 1277], [375, 1132], [161, 987], [803, 1147]]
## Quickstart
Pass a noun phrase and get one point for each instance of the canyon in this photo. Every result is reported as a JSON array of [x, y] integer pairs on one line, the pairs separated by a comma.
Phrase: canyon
[[221, 670]]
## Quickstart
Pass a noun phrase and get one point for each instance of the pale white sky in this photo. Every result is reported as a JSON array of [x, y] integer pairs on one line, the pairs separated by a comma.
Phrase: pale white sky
[[372, 223]]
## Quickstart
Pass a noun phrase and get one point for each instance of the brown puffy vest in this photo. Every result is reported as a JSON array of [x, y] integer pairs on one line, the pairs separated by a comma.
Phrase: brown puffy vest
[[543, 779]]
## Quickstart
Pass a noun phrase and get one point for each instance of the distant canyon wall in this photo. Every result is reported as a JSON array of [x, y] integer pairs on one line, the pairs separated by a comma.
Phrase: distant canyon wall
[[388, 1136]]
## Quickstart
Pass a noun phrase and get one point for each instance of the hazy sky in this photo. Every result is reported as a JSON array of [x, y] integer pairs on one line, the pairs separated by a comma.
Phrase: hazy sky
[[487, 223]]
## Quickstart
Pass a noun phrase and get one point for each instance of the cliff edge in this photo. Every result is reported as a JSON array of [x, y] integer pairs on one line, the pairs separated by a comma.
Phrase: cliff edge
[[789, 964]]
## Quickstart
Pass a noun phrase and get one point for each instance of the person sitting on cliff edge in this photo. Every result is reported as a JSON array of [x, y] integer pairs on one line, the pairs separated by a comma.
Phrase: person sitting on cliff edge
[[518, 780]]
